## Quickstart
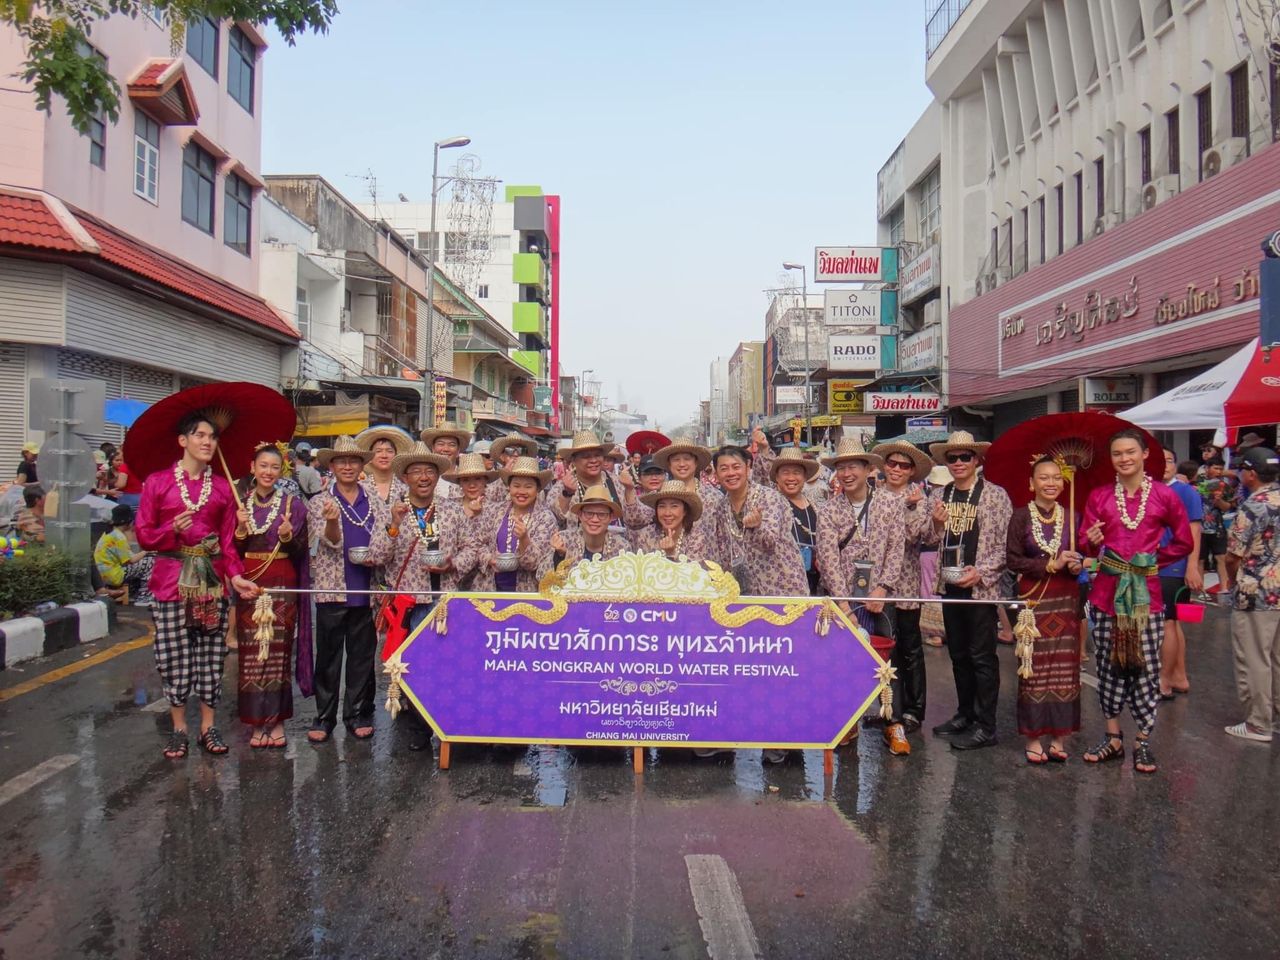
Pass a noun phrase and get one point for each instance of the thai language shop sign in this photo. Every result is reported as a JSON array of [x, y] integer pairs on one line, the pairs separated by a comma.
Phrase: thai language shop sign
[[640, 651], [855, 264]]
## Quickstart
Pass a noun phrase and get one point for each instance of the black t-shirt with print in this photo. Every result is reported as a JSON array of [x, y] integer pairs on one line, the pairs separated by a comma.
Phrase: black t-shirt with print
[[962, 523]]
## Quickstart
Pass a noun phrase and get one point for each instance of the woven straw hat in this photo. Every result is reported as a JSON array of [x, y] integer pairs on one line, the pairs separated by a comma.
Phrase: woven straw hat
[[343, 447], [583, 441], [958, 440], [851, 448], [792, 456], [528, 447], [911, 452], [432, 434], [700, 453], [419, 452], [675, 490], [526, 467], [939, 476], [470, 465], [598, 495], [401, 440]]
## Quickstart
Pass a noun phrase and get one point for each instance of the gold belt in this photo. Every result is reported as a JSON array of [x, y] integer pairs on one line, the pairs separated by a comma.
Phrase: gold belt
[[257, 555]]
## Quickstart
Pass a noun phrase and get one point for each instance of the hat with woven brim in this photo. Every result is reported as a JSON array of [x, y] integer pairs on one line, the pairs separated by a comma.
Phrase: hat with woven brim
[[419, 452], [923, 464], [500, 446], [851, 448], [701, 454], [432, 434], [526, 467], [939, 476], [597, 496], [398, 438], [958, 440], [343, 447], [792, 457], [470, 465], [617, 455], [584, 441], [675, 490]]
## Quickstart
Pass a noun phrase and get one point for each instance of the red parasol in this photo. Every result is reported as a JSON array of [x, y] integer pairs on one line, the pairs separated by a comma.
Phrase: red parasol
[[1078, 441], [646, 442], [246, 415]]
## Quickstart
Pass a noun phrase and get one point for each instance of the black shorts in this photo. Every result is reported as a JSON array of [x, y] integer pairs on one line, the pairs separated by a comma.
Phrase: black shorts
[[1214, 544], [1173, 590]]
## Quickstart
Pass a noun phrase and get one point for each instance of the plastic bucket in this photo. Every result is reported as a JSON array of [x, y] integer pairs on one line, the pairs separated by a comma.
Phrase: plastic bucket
[[1188, 612], [882, 645]]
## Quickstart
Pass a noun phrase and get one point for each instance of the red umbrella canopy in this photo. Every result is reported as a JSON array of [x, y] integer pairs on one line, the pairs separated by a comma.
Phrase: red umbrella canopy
[[645, 442], [1080, 442], [246, 415]]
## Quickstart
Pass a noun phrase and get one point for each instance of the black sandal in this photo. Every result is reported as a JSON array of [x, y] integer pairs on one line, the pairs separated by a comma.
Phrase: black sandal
[[176, 748], [1112, 748], [211, 742], [1142, 756]]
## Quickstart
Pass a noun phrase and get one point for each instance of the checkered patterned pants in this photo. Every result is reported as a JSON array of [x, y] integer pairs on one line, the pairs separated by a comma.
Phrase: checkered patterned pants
[[1115, 689], [189, 659]]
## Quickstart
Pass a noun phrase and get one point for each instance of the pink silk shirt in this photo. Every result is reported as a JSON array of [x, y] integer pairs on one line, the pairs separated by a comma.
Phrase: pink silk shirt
[[161, 503], [1164, 509]]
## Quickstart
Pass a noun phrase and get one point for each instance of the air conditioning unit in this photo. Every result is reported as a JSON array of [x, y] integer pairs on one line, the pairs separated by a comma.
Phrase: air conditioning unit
[[932, 312], [1226, 154], [1158, 191]]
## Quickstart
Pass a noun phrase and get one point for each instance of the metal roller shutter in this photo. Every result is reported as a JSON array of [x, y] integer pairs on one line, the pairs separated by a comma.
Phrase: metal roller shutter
[[1009, 415], [13, 407], [122, 380]]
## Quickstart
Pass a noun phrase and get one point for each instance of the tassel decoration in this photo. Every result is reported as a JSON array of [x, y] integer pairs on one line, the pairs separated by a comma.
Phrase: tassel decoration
[[395, 669], [441, 616], [264, 616], [886, 675], [1025, 633]]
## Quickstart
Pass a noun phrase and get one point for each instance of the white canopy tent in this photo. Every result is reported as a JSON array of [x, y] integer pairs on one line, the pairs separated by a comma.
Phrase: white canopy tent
[[1199, 404]]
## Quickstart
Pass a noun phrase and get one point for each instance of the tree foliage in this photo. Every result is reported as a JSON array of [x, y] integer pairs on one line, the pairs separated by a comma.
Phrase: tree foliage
[[58, 35]]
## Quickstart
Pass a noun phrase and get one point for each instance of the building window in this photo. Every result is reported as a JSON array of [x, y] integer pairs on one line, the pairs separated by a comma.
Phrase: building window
[[427, 245], [242, 55], [1275, 102], [1239, 81], [897, 225], [482, 291], [1163, 12], [1079, 181], [1040, 213], [156, 15], [303, 314], [146, 157], [202, 44], [1099, 189], [239, 214], [98, 140], [1174, 127], [1144, 155], [1062, 216], [1204, 128], [930, 204], [198, 173], [1008, 238], [1026, 238]]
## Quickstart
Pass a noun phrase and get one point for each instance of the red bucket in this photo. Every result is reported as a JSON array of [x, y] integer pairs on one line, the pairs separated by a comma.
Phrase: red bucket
[[1188, 612], [882, 645]]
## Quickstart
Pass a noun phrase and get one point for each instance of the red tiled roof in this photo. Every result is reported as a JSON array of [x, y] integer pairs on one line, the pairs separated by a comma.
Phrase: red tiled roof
[[161, 88], [27, 221], [151, 73]]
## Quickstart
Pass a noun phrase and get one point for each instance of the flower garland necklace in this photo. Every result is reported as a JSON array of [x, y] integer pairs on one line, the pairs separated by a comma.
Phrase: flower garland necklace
[[274, 510], [678, 538], [1134, 522], [1054, 544], [509, 545], [424, 522], [365, 522], [206, 488]]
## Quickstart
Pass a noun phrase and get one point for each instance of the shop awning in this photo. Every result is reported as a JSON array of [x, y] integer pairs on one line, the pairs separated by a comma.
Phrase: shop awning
[[347, 417], [1243, 390]]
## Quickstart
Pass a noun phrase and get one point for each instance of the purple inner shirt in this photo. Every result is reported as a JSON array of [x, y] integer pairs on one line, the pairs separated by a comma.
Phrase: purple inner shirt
[[356, 576]]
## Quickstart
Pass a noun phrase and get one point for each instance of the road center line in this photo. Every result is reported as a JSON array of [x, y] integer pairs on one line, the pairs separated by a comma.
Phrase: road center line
[[124, 646], [721, 913], [36, 776]]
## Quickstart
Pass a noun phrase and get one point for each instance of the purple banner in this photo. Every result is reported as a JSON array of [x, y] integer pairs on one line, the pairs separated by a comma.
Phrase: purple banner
[[638, 674]]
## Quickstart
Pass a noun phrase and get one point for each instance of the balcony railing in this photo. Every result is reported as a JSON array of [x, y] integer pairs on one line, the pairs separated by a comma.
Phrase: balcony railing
[[503, 409], [940, 16]]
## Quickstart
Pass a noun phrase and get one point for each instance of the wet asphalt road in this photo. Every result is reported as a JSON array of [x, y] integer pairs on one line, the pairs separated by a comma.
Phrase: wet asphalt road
[[366, 850]]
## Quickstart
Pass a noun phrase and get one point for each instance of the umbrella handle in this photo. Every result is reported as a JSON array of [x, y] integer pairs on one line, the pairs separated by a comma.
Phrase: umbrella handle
[[230, 479]]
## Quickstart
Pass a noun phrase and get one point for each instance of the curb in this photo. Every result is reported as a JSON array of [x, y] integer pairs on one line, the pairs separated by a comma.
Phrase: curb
[[26, 638]]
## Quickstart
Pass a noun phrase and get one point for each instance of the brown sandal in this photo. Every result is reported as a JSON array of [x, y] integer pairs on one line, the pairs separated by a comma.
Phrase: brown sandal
[[1112, 748]]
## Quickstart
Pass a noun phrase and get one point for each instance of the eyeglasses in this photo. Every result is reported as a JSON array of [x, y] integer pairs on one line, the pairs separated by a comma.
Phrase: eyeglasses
[[959, 457], [899, 464], [597, 514]]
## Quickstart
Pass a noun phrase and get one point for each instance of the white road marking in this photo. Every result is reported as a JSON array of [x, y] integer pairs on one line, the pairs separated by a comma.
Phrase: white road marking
[[1088, 680], [158, 706], [721, 913], [36, 776]]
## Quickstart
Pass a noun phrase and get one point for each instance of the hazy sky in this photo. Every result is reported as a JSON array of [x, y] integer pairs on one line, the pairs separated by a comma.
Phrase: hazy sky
[[696, 145]]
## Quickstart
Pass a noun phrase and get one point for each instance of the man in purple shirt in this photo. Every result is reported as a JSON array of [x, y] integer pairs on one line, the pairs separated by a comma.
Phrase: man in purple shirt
[[188, 516]]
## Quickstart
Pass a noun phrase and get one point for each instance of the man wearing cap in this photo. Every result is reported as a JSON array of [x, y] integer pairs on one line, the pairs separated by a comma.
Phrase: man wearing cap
[[308, 477], [590, 537], [27, 472], [503, 452], [860, 549], [905, 468], [648, 477], [585, 462], [971, 519], [1253, 564], [448, 440], [349, 530]]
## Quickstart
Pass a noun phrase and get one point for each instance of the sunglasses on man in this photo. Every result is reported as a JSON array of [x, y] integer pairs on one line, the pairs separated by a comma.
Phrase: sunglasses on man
[[959, 457], [899, 464]]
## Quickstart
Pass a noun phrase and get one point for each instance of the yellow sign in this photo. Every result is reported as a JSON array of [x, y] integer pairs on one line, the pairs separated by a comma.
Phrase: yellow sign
[[821, 421], [845, 396]]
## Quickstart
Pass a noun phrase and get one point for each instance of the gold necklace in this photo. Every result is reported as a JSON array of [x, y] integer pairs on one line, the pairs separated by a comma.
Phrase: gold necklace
[[1054, 544], [1134, 522]]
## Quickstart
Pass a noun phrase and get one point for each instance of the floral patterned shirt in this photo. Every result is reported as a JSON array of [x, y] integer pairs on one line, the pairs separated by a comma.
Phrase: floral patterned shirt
[[694, 545], [920, 535], [327, 560], [615, 545], [879, 539], [1255, 539], [457, 535], [534, 562], [766, 559]]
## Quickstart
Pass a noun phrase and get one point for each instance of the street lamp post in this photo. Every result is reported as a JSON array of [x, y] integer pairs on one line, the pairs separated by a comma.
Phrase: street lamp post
[[426, 415], [804, 315], [582, 400]]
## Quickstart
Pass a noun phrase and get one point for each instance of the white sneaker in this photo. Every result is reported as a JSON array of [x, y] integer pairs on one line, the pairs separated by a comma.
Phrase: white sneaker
[[1242, 731]]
